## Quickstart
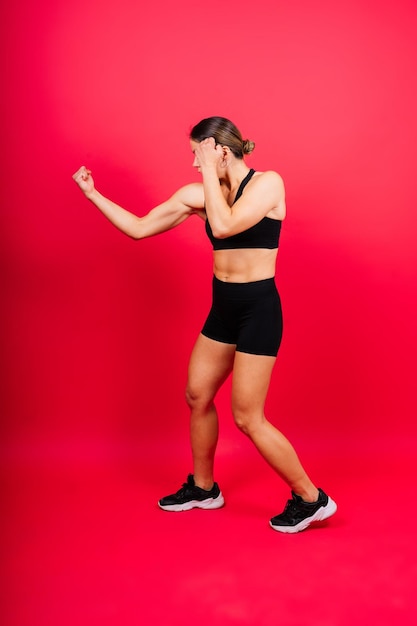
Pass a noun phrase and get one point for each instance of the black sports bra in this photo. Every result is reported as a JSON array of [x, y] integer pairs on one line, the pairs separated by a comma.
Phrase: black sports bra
[[264, 234]]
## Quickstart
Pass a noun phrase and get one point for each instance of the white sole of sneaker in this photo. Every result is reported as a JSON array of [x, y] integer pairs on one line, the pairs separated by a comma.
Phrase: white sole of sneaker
[[323, 513], [207, 505]]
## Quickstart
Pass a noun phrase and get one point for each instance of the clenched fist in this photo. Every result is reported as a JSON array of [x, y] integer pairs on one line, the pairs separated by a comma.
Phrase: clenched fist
[[84, 180]]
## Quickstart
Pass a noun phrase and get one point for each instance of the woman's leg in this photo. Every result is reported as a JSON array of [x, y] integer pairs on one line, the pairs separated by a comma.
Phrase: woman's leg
[[251, 377], [210, 364]]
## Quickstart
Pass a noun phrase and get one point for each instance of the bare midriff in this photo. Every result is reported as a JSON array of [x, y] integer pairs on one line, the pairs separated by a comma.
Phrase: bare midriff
[[244, 265]]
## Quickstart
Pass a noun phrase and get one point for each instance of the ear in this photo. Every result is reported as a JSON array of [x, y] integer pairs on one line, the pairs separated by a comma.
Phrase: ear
[[225, 156]]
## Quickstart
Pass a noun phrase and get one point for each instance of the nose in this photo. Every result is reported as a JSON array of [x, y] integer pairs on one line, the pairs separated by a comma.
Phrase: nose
[[195, 162]]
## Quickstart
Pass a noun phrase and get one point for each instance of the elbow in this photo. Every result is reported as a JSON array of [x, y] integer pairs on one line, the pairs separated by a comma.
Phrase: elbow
[[138, 232], [137, 236], [220, 233], [137, 229]]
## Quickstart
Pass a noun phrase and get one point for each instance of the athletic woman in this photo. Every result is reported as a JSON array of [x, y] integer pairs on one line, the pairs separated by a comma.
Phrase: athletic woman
[[243, 211]]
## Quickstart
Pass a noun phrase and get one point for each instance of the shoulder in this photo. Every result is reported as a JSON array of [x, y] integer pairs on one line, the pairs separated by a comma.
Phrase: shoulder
[[268, 183], [269, 187], [191, 195], [269, 178]]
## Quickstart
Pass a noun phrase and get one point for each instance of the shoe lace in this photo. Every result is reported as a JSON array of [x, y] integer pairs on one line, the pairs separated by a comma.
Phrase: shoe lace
[[186, 489], [291, 509]]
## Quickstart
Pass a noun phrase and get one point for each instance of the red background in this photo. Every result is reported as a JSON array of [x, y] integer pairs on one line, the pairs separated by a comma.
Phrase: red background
[[97, 328]]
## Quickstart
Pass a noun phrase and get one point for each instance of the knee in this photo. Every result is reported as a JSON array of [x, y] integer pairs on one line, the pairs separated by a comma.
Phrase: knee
[[197, 399], [191, 397], [245, 421]]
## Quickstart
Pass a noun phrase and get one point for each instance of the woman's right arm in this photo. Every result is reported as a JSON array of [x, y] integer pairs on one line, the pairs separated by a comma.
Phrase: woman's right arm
[[186, 201]]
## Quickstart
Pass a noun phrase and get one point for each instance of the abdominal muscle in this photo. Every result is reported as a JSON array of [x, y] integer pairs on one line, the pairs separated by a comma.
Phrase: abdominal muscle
[[244, 266]]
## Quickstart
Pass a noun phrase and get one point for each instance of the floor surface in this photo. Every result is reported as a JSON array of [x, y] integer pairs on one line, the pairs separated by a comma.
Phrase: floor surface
[[84, 543]]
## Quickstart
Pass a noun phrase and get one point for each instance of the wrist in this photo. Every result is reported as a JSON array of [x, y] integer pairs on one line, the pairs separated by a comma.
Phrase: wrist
[[91, 194], [209, 171]]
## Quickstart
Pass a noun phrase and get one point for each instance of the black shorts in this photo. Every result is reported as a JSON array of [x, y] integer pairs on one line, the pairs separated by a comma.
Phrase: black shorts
[[248, 315]]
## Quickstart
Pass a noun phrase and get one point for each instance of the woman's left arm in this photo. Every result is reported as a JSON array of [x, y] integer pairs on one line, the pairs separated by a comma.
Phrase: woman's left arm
[[264, 195]]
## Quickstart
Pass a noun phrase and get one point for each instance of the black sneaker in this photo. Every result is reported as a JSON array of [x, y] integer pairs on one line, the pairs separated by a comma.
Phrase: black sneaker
[[298, 514], [190, 497]]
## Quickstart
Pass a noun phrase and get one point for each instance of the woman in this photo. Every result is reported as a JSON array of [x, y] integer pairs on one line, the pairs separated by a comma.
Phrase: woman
[[243, 211]]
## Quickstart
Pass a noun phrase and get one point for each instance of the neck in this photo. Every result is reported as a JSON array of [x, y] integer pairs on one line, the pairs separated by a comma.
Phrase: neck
[[234, 174]]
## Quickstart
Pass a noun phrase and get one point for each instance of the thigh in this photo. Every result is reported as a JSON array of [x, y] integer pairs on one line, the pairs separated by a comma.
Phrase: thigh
[[211, 362], [260, 330], [251, 378]]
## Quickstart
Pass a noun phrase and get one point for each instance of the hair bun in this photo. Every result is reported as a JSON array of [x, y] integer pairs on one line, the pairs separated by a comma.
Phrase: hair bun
[[247, 146]]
